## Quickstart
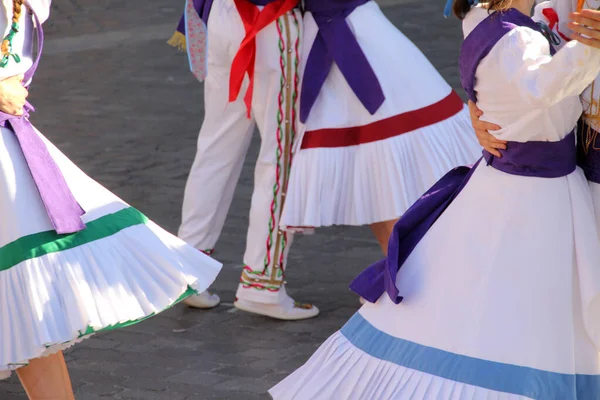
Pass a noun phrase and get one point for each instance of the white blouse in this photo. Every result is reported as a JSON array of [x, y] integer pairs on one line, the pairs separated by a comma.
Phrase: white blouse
[[530, 94]]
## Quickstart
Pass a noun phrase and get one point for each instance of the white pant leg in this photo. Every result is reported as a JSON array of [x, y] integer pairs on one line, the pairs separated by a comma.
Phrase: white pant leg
[[274, 103], [223, 140]]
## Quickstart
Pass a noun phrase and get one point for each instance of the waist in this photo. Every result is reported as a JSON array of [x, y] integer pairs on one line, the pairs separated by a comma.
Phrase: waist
[[332, 6], [537, 159]]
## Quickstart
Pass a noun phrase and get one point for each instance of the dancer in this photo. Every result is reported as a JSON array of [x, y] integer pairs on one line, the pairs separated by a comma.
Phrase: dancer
[[251, 68], [478, 303], [74, 258], [376, 130], [555, 16]]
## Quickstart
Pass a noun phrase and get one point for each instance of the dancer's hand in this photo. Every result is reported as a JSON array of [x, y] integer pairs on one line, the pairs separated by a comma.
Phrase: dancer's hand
[[13, 95], [585, 25], [486, 139]]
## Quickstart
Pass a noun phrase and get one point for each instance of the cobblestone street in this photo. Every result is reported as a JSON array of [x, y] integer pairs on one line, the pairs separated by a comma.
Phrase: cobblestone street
[[122, 105]]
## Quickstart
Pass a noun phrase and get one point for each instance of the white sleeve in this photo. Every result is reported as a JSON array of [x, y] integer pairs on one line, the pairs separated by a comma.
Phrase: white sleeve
[[41, 8], [523, 57]]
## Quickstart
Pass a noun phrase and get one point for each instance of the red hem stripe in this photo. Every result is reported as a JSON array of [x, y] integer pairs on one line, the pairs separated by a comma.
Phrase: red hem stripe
[[386, 128]]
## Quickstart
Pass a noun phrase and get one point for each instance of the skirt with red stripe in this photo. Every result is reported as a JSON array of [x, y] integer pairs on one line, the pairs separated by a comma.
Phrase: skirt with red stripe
[[354, 168]]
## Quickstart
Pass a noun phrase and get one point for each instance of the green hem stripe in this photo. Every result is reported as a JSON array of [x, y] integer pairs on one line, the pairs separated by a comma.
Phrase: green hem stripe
[[189, 292], [39, 244], [89, 330]]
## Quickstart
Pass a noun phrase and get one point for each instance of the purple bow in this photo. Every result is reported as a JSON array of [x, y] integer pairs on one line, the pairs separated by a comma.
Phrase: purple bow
[[336, 42]]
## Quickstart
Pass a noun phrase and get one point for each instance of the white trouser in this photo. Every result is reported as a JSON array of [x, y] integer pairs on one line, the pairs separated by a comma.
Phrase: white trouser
[[223, 143]]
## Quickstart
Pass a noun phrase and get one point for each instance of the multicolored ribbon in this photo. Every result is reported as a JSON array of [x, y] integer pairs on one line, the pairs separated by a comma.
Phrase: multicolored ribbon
[[191, 35]]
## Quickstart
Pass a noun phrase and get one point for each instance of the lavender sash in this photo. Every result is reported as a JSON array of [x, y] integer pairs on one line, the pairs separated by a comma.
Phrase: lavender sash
[[336, 42], [62, 208], [536, 159]]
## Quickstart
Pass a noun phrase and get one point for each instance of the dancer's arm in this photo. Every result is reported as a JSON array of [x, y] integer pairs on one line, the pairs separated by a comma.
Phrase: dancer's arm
[[12, 95], [482, 128], [523, 59]]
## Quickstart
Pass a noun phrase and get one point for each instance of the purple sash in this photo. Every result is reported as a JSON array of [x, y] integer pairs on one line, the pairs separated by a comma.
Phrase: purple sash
[[62, 208], [536, 159], [336, 42], [203, 8]]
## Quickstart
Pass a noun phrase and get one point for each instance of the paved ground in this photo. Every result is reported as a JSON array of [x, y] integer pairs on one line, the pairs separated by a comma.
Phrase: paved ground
[[123, 106]]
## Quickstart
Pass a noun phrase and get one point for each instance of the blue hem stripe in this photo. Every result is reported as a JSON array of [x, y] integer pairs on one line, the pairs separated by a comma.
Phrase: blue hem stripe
[[529, 382]]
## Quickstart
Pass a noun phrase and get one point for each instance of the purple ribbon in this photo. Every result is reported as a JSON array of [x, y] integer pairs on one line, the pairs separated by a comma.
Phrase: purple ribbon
[[62, 208], [407, 233], [336, 42], [537, 159]]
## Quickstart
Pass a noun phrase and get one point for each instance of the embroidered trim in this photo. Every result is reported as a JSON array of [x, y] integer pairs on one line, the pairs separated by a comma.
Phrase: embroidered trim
[[273, 273], [257, 280]]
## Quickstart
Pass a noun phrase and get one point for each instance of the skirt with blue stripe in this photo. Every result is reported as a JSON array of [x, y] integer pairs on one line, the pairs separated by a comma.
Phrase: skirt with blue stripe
[[501, 301]]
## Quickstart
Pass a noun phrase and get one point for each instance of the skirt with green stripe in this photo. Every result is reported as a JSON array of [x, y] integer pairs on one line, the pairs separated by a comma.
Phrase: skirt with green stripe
[[58, 289]]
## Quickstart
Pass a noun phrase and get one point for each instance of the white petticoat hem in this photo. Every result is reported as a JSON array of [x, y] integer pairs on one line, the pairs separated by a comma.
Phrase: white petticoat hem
[[57, 299], [377, 181], [339, 370]]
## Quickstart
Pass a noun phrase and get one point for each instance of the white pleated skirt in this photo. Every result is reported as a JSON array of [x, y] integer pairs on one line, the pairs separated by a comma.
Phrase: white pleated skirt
[[354, 168], [58, 289], [502, 305]]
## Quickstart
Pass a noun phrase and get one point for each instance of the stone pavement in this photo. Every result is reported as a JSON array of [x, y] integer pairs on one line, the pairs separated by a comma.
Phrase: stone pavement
[[121, 103]]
